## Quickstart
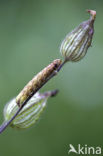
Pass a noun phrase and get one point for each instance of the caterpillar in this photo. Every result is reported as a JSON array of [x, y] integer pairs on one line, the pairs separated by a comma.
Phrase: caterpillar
[[37, 81]]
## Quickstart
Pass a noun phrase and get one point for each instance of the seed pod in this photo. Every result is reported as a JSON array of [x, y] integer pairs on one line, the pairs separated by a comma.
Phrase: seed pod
[[30, 112], [37, 81], [76, 43]]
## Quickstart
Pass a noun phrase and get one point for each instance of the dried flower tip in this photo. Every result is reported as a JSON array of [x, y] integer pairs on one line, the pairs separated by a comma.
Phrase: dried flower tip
[[92, 13], [76, 43], [30, 112]]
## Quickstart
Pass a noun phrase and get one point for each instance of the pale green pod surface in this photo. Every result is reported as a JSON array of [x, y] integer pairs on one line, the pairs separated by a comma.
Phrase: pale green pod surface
[[28, 115], [75, 45]]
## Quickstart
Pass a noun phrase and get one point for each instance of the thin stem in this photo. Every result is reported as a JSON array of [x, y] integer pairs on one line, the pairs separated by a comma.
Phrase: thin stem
[[5, 124], [59, 68]]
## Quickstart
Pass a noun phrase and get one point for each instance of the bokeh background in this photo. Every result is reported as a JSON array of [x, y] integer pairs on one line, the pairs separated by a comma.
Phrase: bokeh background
[[30, 35]]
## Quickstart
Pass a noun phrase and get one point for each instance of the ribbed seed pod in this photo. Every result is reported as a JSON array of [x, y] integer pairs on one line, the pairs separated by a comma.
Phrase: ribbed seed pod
[[37, 81], [76, 43], [30, 112]]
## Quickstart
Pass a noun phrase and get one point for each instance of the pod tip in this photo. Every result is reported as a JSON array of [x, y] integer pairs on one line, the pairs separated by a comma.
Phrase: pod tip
[[92, 13]]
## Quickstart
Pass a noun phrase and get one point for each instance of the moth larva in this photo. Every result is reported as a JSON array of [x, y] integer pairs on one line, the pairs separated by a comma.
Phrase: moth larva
[[37, 81]]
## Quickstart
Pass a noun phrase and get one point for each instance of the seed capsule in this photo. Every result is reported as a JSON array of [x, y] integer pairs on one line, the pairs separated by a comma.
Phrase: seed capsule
[[37, 81], [30, 112], [76, 43]]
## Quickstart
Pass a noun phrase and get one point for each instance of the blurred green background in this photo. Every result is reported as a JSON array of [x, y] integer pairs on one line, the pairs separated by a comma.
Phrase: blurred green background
[[30, 35]]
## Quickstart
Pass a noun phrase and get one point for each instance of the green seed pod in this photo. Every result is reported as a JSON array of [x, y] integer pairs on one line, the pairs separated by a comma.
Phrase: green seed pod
[[30, 112], [76, 43]]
